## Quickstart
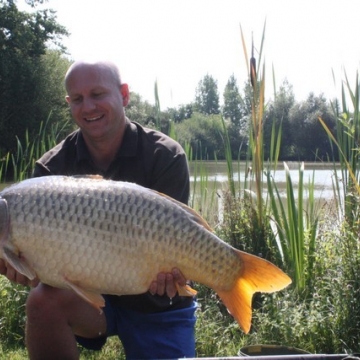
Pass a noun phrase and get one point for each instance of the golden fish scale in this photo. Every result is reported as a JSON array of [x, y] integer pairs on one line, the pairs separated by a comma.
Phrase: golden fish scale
[[112, 237]]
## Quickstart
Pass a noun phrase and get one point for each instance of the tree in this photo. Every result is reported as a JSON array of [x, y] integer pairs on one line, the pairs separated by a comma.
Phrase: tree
[[181, 113], [207, 96], [246, 107], [33, 3], [141, 111], [49, 94], [24, 38], [232, 102], [309, 137], [278, 113], [204, 134]]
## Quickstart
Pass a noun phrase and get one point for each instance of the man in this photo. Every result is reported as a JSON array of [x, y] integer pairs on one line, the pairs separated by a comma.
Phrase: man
[[159, 323]]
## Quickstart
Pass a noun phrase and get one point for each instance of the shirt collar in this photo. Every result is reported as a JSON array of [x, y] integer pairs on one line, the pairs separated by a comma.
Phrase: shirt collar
[[128, 147]]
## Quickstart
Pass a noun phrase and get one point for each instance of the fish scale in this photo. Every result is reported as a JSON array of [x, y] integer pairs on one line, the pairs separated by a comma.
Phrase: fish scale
[[99, 236]]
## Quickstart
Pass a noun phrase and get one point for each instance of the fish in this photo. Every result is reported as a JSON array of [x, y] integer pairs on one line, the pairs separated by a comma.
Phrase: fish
[[98, 236]]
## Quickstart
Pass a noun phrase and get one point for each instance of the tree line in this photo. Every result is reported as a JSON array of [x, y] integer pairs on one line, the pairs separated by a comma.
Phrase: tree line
[[32, 68], [200, 123]]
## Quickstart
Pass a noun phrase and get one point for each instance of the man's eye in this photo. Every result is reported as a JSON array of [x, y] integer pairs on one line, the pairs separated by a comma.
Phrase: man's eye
[[76, 100]]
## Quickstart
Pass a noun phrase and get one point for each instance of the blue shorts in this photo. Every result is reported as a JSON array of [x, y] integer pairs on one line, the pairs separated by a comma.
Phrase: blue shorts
[[161, 335]]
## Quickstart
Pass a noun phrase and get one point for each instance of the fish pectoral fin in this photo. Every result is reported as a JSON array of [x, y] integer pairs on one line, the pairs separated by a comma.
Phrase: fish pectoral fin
[[93, 298], [19, 263], [185, 290]]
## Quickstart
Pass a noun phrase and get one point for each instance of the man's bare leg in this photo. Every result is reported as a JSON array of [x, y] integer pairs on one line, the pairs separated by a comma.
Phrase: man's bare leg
[[53, 317]]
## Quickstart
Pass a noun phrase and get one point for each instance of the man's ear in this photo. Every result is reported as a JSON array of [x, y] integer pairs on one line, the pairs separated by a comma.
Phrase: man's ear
[[67, 98], [125, 93]]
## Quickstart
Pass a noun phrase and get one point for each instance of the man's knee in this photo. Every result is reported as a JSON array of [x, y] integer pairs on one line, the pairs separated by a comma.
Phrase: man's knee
[[48, 305], [47, 301]]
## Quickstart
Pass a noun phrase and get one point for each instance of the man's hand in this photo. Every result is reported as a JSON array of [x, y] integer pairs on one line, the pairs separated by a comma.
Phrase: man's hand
[[166, 283], [14, 276]]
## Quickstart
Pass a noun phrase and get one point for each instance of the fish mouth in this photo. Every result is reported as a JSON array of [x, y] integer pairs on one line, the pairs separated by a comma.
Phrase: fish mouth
[[94, 118]]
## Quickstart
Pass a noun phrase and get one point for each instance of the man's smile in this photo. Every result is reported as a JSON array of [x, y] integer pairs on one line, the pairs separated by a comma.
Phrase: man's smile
[[95, 118]]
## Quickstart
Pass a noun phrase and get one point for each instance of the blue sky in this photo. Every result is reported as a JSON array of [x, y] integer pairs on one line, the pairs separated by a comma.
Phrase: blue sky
[[178, 42]]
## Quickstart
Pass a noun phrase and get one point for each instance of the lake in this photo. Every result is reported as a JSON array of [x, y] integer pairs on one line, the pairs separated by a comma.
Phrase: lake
[[216, 175], [209, 202]]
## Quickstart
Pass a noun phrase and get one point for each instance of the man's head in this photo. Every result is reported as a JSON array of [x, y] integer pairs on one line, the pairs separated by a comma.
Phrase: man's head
[[97, 98], [105, 67]]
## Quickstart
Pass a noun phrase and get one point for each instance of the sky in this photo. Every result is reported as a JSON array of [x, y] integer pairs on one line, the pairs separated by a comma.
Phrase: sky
[[178, 42]]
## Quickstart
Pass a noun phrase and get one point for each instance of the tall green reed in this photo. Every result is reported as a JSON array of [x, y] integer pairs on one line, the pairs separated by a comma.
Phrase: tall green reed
[[4, 165], [32, 148], [255, 188], [256, 126], [292, 227], [346, 186], [228, 157], [347, 143], [295, 225], [157, 106], [204, 195]]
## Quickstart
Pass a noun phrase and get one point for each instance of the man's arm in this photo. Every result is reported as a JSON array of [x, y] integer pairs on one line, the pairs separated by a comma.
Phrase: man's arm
[[173, 179]]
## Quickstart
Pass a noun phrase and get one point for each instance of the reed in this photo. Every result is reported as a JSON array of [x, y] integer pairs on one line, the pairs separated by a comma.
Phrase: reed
[[256, 126], [21, 163], [4, 165], [157, 106], [228, 157], [347, 195], [347, 143], [294, 223]]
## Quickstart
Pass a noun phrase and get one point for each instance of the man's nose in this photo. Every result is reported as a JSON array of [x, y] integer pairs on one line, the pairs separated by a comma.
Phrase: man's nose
[[88, 104]]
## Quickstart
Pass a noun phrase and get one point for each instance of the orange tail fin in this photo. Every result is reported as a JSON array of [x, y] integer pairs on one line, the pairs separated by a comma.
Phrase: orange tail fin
[[256, 275]]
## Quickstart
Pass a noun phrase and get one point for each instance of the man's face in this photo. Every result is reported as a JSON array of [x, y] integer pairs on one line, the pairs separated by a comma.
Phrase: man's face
[[96, 101]]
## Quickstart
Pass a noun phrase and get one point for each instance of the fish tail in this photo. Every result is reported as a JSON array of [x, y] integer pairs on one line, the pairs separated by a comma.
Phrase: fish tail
[[255, 275]]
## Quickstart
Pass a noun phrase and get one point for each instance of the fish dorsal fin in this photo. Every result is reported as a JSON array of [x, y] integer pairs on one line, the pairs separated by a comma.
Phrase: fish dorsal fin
[[196, 216], [94, 177]]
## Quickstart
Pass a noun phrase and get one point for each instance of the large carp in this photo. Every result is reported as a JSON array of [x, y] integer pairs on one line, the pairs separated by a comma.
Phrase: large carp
[[98, 236]]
